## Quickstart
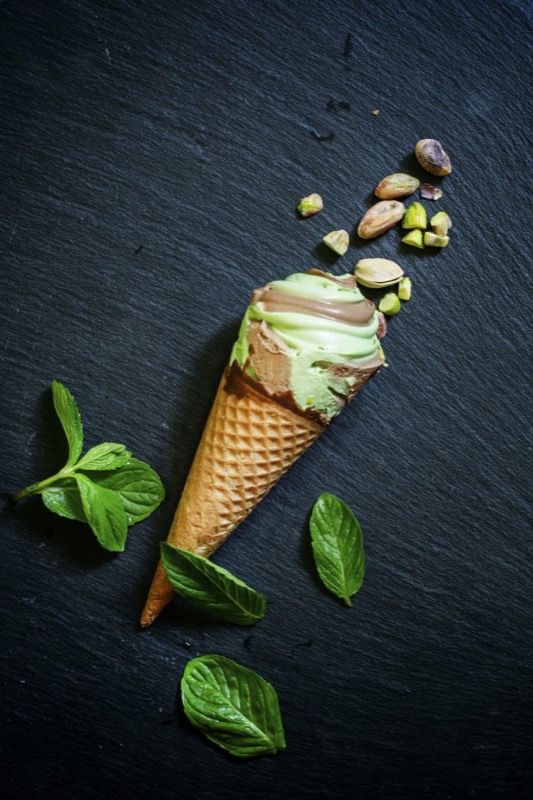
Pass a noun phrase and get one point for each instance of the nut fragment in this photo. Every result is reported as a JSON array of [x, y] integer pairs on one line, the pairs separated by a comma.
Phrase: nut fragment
[[414, 238], [429, 192], [338, 241], [404, 289], [380, 218], [434, 240], [432, 158], [390, 304], [415, 217], [441, 223], [376, 273], [310, 205], [397, 185]]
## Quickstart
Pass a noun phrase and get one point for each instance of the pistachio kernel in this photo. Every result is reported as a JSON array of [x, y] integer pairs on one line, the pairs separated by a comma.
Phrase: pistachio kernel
[[397, 185], [434, 240], [414, 238], [390, 304], [415, 217], [338, 241], [441, 223], [431, 156], [310, 205], [404, 289], [380, 218]]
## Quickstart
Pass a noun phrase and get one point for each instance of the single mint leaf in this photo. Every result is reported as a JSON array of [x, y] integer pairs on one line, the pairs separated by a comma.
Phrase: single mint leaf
[[211, 588], [138, 486], [64, 499], [337, 546], [107, 455], [105, 513], [233, 706], [69, 415]]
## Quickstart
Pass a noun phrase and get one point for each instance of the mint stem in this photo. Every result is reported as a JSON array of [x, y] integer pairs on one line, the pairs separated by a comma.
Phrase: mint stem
[[36, 488]]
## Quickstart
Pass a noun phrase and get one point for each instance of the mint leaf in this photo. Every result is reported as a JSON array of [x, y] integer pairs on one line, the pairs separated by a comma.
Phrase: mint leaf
[[233, 706], [211, 588], [69, 416], [337, 546], [137, 485], [104, 456], [64, 498], [105, 514]]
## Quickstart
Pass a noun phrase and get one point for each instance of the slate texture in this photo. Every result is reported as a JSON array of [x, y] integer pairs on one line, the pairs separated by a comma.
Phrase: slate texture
[[152, 157]]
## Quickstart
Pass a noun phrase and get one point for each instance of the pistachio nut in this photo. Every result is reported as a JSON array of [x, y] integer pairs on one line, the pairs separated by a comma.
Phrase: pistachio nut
[[414, 238], [390, 304], [434, 240], [380, 218], [310, 205], [338, 241], [431, 156], [404, 289], [376, 273], [397, 185], [441, 223], [415, 217]]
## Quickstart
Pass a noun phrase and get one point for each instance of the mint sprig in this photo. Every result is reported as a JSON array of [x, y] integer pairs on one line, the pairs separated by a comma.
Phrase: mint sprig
[[337, 543], [106, 488]]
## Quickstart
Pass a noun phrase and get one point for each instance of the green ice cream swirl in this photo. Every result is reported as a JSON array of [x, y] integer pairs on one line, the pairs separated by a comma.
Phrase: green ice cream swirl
[[321, 320]]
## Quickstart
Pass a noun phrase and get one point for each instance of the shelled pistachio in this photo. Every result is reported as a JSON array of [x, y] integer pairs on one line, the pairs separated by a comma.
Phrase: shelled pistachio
[[379, 218], [397, 185], [431, 156]]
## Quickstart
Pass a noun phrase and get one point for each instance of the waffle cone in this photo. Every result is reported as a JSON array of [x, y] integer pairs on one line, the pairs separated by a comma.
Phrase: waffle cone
[[249, 441]]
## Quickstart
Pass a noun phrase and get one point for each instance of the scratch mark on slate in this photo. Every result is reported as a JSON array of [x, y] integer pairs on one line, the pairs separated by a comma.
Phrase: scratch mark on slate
[[328, 137], [309, 643], [348, 46]]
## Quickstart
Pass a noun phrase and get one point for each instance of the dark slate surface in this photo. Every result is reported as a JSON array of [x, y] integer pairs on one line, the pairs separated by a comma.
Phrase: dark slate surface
[[152, 156]]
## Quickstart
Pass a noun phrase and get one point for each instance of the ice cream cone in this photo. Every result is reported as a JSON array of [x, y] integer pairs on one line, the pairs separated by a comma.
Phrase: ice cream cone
[[248, 443], [254, 433]]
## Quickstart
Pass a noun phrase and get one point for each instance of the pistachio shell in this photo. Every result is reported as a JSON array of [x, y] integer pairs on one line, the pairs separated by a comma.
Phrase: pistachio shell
[[376, 273]]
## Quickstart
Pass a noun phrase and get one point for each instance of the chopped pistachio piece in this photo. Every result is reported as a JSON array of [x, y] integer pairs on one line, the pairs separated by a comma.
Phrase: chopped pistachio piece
[[414, 238], [390, 304], [415, 217], [441, 223], [404, 289], [430, 192], [434, 240], [338, 241], [310, 205]]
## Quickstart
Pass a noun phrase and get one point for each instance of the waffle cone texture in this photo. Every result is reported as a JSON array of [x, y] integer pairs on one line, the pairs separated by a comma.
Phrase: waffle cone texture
[[249, 441]]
